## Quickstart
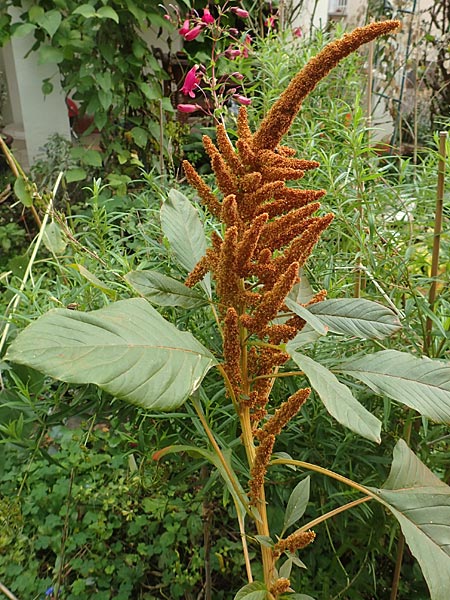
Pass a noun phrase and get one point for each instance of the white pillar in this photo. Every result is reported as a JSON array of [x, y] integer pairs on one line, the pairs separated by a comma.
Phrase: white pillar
[[40, 115]]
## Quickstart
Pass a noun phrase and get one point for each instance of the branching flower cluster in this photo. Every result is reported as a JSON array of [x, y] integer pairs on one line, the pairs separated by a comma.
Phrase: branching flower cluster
[[269, 231]]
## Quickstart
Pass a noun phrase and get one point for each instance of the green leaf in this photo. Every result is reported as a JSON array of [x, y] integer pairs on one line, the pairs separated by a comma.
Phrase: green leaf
[[76, 174], [35, 13], [357, 317], [93, 158], [22, 190], [151, 92], [127, 349], [300, 597], [23, 29], [92, 279], [421, 503], [140, 136], [306, 336], [163, 290], [107, 12], [305, 314], [50, 21], [105, 98], [265, 540], [49, 54], [54, 239], [181, 225], [297, 504], [85, 10], [47, 87], [338, 399], [420, 383], [253, 591]]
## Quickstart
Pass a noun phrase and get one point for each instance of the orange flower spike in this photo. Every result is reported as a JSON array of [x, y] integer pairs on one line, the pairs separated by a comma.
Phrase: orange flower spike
[[296, 541], [277, 233], [279, 118], [205, 264], [243, 130], [268, 157], [290, 201], [281, 585], [286, 151], [203, 190], [282, 173], [232, 348], [226, 271], [285, 413], [272, 301], [227, 150], [246, 154], [226, 180], [229, 214], [250, 182], [249, 242], [259, 469]]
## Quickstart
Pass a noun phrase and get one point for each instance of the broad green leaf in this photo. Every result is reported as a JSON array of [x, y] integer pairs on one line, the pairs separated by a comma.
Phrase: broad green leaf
[[105, 98], [357, 317], [85, 10], [420, 383], [306, 336], [92, 279], [300, 597], [76, 174], [139, 136], [302, 292], [163, 290], [23, 29], [23, 191], [50, 21], [305, 314], [338, 399], [182, 226], [107, 12], [297, 504], [49, 54], [127, 348], [253, 591], [54, 239], [265, 540], [93, 158], [35, 12], [421, 503]]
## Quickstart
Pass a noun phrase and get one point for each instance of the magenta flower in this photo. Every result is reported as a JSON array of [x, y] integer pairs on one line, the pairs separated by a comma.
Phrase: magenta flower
[[242, 100], [297, 32], [239, 12], [191, 82], [188, 108], [237, 75], [232, 53], [184, 30], [193, 33], [207, 16]]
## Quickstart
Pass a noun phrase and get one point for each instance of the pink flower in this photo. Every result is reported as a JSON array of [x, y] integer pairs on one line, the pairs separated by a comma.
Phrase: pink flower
[[242, 100], [188, 108], [232, 53], [270, 22], [297, 32], [239, 12], [237, 75], [247, 43], [207, 16], [191, 81], [193, 33], [186, 26]]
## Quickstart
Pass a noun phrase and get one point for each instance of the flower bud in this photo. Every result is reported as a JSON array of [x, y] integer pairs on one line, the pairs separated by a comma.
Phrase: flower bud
[[193, 33], [188, 108], [242, 100], [239, 12], [207, 16]]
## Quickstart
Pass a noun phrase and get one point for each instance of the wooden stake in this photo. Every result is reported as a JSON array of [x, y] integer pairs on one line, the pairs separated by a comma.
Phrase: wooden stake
[[437, 235]]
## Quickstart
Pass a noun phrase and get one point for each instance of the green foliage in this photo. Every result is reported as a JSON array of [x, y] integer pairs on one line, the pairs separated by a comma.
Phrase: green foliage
[[89, 514], [106, 66]]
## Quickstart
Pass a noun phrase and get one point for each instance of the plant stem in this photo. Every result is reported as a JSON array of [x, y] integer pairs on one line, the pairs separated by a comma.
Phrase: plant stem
[[7, 592], [323, 471], [274, 375], [332, 513]]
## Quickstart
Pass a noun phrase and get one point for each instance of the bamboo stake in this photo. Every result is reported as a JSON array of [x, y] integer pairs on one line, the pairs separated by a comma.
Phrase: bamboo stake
[[437, 236]]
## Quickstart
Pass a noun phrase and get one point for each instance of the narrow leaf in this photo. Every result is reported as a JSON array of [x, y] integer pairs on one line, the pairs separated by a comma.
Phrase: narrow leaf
[[338, 399], [182, 226], [96, 282], [421, 503], [306, 336], [357, 317], [420, 383], [297, 504], [163, 290], [127, 348]]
